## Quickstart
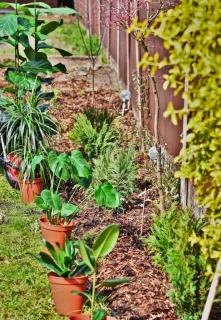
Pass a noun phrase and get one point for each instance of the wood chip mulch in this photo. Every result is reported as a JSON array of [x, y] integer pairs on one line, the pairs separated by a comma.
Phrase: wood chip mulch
[[145, 296]]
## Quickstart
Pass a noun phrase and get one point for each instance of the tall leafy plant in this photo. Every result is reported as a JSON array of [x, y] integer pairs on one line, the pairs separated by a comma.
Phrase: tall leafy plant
[[18, 29], [170, 241], [104, 244]]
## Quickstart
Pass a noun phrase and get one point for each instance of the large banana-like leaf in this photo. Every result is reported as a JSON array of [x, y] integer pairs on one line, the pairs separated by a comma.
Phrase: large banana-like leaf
[[86, 255], [106, 241], [112, 283]]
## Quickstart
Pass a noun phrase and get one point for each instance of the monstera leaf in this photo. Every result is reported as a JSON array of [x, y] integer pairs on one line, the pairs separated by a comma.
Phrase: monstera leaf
[[107, 196], [8, 25]]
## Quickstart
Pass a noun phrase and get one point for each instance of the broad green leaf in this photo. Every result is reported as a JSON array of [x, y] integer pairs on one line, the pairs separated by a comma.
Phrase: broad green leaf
[[112, 283], [8, 25], [37, 4], [46, 196], [51, 249], [35, 162], [107, 196], [86, 255], [41, 204], [106, 241], [59, 67], [69, 209], [50, 26], [47, 262], [22, 80], [99, 314], [69, 248], [60, 11], [37, 66], [57, 203], [32, 55]]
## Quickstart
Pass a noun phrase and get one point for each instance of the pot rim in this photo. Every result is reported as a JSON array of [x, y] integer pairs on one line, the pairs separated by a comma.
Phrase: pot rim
[[59, 228], [53, 278], [84, 316]]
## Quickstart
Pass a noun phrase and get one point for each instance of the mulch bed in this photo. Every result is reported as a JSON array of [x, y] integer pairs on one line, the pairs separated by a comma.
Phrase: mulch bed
[[145, 296]]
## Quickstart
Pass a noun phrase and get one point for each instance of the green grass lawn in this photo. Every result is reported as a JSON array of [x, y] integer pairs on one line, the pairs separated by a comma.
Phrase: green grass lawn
[[24, 289]]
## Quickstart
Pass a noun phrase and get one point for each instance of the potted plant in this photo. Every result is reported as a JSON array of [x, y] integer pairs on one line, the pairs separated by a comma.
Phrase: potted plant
[[66, 273], [57, 221], [32, 175], [103, 245]]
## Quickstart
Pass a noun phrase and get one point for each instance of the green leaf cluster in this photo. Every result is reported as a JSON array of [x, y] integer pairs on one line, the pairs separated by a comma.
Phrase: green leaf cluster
[[103, 245], [57, 211], [27, 128], [63, 262], [181, 260], [117, 165], [24, 29], [93, 130], [191, 34]]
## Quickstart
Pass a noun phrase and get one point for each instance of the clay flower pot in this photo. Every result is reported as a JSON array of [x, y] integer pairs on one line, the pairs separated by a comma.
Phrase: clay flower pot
[[16, 161], [87, 317], [67, 303], [55, 233], [30, 189]]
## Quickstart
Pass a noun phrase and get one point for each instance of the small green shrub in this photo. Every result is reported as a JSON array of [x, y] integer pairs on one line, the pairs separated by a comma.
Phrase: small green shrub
[[98, 117], [183, 263], [93, 140], [117, 166]]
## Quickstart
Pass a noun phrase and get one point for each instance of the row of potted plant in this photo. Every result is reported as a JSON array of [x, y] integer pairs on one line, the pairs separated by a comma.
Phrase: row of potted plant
[[73, 266], [40, 172]]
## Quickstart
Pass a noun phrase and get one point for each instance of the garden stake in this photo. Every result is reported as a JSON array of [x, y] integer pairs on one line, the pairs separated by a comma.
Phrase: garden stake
[[142, 215], [212, 292]]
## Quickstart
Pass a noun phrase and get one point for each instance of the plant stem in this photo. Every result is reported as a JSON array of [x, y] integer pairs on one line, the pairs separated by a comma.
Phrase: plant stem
[[93, 294], [36, 27]]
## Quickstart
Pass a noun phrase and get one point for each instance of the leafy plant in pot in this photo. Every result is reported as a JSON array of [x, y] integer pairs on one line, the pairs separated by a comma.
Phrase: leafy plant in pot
[[28, 126], [66, 273], [103, 245], [57, 220], [33, 170], [27, 132]]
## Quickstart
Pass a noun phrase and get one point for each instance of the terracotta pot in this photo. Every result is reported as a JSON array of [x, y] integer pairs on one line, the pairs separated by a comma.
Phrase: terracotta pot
[[16, 161], [86, 317], [30, 189], [55, 233], [67, 303]]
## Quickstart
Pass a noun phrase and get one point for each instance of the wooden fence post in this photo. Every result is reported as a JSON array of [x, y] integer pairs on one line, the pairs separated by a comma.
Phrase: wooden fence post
[[118, 44], [183, 181]]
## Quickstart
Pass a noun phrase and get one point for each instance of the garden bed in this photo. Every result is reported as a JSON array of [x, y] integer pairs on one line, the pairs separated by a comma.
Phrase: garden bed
[[24, 290], [145, 297]]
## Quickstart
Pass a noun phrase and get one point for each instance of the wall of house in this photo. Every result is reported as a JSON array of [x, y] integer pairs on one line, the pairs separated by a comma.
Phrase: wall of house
[[127, 54]]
